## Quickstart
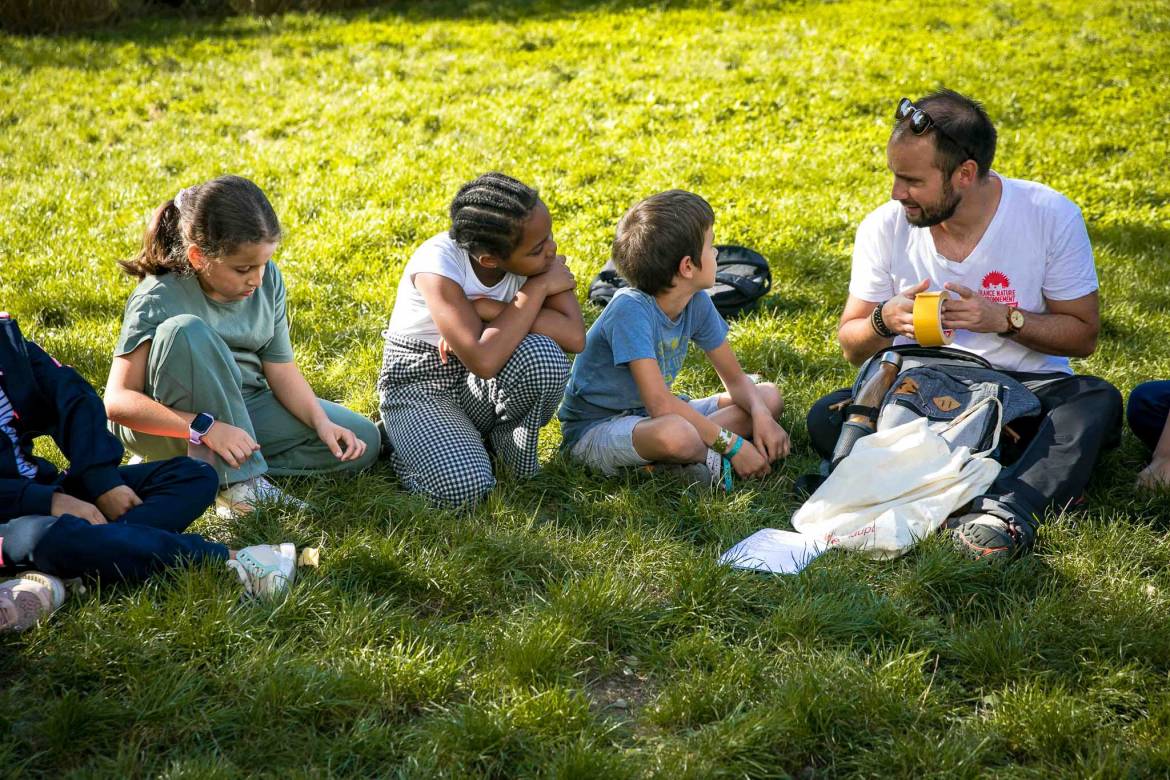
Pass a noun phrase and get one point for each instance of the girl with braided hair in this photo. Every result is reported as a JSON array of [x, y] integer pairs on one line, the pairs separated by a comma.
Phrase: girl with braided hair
[[474, 362], [204, 355]]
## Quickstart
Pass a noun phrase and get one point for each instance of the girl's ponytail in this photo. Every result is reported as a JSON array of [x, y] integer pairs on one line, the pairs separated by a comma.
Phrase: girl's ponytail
[[217, 216], [162, 245]]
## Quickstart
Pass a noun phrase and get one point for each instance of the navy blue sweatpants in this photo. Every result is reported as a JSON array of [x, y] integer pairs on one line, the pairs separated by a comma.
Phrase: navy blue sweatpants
[[144, 540], [1149, 405]]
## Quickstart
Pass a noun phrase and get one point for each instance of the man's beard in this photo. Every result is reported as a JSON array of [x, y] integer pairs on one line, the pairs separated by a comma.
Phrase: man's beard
[[941, 212]]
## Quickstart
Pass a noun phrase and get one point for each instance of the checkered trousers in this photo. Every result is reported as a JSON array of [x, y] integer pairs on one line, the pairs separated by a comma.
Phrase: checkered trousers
[[444, 423]]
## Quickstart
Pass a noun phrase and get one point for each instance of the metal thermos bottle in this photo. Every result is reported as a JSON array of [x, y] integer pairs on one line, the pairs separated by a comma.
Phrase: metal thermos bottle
[[871, 394]]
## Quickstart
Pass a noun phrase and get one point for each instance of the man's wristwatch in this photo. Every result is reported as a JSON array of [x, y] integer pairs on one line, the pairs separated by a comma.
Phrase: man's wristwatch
[[1015, 322], [878, 323], [200, 426]]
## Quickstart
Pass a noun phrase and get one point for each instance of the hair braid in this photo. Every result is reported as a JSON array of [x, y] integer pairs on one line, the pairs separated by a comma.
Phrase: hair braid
[[488, 213]]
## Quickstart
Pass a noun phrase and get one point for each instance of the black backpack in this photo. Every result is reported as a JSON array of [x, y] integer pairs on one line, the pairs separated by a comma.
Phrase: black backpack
[[742, 277]]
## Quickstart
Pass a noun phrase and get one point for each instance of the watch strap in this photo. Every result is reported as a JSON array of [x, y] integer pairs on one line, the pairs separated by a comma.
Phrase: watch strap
[[196, 437]]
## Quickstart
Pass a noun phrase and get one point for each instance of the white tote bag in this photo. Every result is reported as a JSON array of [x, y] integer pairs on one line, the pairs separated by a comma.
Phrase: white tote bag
[[897, 486]]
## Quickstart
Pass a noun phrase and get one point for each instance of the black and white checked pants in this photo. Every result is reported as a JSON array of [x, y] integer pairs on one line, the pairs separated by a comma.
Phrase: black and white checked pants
[[444, 422]]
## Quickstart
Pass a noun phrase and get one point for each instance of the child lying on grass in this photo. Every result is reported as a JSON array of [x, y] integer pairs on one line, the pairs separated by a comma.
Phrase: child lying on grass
[[619, 410]]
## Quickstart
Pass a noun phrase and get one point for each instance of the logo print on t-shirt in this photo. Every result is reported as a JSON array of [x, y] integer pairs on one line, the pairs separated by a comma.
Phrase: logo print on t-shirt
[[670, 359], [998, 287]]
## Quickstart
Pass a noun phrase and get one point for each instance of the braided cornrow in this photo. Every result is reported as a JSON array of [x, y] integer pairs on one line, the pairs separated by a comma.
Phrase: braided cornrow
[[487, 215]]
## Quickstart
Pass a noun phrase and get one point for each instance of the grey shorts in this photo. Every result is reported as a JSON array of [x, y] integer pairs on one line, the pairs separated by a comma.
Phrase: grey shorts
[[609, 445]]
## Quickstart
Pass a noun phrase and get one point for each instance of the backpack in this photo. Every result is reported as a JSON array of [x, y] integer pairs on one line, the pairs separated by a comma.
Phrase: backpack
[[605, 284], [742, 277], [959, 394]]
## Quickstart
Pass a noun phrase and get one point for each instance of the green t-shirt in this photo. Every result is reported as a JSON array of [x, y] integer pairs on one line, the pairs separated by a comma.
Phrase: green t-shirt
[[254, 329]]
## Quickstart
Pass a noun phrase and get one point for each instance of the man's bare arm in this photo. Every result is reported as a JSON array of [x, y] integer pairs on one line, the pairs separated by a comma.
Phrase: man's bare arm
[[1067, 329], [855, 332]]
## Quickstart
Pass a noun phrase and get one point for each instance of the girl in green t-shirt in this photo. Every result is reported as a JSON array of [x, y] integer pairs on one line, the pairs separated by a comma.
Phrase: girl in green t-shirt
[[204, 354]]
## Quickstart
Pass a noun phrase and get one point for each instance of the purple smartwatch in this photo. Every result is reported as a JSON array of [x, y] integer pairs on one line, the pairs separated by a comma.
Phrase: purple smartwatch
[[200, 426]]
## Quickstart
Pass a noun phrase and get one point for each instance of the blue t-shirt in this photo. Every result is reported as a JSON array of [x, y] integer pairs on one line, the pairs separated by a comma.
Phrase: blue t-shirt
[[632, 327]]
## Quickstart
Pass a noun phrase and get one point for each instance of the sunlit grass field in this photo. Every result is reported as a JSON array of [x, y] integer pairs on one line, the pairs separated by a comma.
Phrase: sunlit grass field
[[573, 626]]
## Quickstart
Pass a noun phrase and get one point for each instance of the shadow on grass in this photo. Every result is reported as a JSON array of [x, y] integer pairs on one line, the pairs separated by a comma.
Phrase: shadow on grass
[[49, 313], [1142, 246], [1133, 240], [160, 25]]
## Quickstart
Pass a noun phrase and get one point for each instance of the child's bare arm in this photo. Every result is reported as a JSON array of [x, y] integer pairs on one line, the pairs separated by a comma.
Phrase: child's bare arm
[[741, 389], [294, 393], [659, 401], [766, 432], [127, 404], [488, 308], [484, 350], [560, 318]]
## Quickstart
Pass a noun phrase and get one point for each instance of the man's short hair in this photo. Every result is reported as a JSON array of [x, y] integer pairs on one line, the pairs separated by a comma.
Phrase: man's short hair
[[966, 131], [656, 234]]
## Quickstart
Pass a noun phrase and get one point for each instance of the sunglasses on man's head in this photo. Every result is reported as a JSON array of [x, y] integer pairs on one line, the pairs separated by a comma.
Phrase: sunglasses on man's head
[[920, 122]]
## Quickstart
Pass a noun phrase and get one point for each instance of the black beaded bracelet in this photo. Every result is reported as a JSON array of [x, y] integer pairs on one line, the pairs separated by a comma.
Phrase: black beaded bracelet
[[878, 324]]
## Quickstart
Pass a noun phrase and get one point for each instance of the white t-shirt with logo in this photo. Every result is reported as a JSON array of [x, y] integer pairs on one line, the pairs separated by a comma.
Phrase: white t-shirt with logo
[[1036, 247], [441, 255]]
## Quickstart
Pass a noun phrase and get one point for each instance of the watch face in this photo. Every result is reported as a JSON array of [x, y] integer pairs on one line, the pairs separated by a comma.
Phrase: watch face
[[1017, 318], [202, 423]]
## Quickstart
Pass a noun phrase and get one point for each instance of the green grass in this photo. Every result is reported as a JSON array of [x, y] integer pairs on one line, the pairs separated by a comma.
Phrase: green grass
[[576, 627]]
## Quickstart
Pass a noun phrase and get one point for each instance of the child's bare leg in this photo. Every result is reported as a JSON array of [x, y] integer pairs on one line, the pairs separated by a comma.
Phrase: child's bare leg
[[736, 420], [669, 439]]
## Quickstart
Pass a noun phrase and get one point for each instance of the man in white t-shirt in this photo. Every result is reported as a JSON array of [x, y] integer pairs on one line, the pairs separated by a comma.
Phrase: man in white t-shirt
[[1016, 259]]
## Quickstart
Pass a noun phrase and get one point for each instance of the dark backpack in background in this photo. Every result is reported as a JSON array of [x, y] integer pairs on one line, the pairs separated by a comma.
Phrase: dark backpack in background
[[605, 284], [742, 277]]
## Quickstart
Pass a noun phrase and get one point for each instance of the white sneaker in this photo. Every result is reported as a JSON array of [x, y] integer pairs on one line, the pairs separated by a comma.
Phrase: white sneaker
[[243, 497], [28, 599], [705, 474], [265, 569]]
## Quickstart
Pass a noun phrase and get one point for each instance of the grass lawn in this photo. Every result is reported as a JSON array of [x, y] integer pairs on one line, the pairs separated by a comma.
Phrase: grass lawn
[[575, 626]]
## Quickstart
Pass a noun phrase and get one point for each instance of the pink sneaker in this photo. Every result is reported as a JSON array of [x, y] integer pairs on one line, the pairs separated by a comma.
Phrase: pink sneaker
[[28, 599]]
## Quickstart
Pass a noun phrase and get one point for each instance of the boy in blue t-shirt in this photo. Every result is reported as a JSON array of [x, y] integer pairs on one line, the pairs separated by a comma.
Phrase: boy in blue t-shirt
[[619, 410]]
